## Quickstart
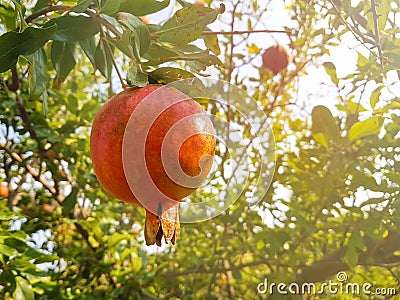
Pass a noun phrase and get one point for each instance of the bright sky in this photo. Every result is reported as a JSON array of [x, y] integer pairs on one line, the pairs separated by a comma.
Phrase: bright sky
[[277, 18]]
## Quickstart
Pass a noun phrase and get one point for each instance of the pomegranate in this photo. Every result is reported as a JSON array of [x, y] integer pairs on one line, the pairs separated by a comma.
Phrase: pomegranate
[[146, 20], [276, 58], [199, 3], [136, 133], [4, 190]]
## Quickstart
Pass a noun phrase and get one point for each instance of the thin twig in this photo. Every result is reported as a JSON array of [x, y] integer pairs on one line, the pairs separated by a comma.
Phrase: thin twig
[[376, 28], [46, 10], [104, 22], [357, 36], [91, 14], [245, 32], [231, 45], [109, 52], [28, 125], [18, 158]]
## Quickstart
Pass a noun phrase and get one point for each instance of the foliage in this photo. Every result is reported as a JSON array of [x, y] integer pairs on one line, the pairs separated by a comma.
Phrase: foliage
[[333, 204]]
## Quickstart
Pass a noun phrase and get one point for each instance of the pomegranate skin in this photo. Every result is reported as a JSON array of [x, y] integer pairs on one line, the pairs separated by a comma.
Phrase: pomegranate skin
[[108, 133], [106, 141], [276, 59]]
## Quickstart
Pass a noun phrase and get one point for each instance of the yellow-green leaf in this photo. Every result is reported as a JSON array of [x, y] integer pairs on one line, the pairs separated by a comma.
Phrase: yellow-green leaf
[[325, 129], [365, 128]]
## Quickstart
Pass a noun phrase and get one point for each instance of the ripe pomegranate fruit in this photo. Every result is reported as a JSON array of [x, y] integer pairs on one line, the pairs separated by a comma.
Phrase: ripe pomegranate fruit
[[276, 58], [4, 190], [136, 133], [199, 3], [146, 20]]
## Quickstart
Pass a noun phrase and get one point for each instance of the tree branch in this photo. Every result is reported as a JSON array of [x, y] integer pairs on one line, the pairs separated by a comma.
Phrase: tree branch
[[28, 125], [46, 10], [349, 28], [82, 231], [31, 170], [91, 14], [376, 29], [379, 253], [245, 32]]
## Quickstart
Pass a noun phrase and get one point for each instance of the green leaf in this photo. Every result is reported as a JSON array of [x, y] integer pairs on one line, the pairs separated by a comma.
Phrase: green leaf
[[354, 242], [7, 250], [330, 69], [16, 243], [63, 58], [188, 24], [8, 16], [324, 128], [71, 29], [143, 7], [45, 107], [89, 47], [103, 60], [38, 77], [168, 74], [140, 39], [383, 10], [394, 177], [212, 43], [82, 6], [136, 78], [202, 63], [21, 13], [362, 60], [89, 110], [110, 7], [351, 257], [7, 277], [376, 94], [70, 201], [373, 201], [41, 4], [159, 53], [136, 263], [361, 179], [365, 128], [46, 258], [116, 238], [14, 44], [351, 107], [23, 290], [123, 44]]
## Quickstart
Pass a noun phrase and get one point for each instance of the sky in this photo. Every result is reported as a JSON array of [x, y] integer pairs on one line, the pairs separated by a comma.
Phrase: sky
[[344, 56]]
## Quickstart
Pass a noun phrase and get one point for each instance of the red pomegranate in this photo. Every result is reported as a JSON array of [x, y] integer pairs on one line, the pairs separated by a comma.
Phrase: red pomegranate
[[199, 3], [276, 58], [142, 131], [4, 190], [146, 20]]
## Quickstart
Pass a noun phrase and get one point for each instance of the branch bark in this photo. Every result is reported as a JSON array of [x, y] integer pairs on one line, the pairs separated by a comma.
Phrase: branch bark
[[46, 10], [379, 253], [245, 32]]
